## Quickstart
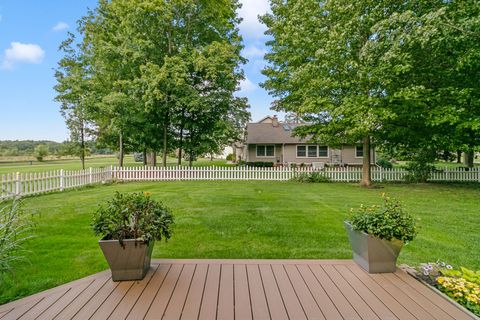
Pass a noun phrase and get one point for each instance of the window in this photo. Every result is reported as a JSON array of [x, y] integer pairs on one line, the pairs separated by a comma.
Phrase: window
[[359, 151], [312, 151], [265, 151], [322, 151], [301, 151]]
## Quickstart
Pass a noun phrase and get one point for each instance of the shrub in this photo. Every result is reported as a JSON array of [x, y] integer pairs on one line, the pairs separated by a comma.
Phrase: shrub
[[418, 171], [138, 156], [133, 216], [230, 157], [386, 221], [15, 228], [384, 163], [260, 164], [314, 177], [41, 151]]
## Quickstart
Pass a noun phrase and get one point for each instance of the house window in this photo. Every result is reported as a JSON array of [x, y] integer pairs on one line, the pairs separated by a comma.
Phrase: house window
[[359, 151], [265, 150], [301, 151], [312, 151], [322, 151]]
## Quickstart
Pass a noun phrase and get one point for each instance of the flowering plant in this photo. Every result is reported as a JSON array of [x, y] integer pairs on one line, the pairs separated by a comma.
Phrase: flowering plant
[[461, 285], [386, 221]]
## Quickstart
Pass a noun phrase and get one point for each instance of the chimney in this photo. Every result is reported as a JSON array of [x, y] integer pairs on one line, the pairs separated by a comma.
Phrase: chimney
[[275, 121]]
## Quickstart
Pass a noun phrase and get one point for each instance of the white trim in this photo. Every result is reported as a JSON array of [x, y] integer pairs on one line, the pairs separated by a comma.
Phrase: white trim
[[265, 156], [306, 151]]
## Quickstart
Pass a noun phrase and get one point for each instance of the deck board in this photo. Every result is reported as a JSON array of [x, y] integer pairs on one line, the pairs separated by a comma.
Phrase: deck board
[[241, 289]]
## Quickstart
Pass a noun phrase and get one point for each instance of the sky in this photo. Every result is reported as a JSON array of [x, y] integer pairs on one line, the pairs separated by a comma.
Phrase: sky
[[30, 34]]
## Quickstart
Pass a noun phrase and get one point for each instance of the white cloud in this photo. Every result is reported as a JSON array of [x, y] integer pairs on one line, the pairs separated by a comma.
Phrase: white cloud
[[22, 53], [247, 86], [253, 51], [60, 26], [251, 26]]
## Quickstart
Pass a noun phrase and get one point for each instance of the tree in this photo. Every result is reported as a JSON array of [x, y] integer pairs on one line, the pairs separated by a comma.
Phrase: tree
[[41, 151], [149, 68]]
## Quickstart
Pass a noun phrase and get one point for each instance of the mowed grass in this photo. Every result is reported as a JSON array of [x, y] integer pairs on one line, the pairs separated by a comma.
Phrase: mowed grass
[[247, 219], [94, 162]]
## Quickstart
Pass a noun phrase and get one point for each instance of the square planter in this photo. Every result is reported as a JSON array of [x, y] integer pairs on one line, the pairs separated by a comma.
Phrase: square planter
[[128, 262], [373, 254]]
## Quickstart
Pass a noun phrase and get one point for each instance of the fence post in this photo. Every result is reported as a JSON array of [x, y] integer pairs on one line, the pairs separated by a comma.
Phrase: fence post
[[111, 172], [62, 182], [90, 177], [18, 185]]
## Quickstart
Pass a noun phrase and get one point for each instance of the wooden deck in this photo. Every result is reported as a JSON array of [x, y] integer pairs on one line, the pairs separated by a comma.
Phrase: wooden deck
[[241, 289]]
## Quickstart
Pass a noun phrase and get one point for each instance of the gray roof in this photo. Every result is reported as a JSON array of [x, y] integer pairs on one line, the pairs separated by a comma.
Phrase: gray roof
[[267, 133]]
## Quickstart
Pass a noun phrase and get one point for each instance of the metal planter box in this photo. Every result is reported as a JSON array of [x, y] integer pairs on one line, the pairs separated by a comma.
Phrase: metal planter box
[[373, 254], [128, 262]]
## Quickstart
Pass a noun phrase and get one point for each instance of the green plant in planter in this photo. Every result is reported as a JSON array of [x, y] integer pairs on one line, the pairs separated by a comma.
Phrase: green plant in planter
[[386, 221], [133, 216]]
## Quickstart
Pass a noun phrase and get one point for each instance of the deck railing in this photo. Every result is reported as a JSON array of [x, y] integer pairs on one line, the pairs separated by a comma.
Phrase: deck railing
[[22, 184]]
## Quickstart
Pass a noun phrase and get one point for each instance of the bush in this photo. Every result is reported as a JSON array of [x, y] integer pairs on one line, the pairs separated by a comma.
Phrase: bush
[[133, 216], [230, 157], [418, 171], [386, 221], [314, 177], [41, 151], [384, 163], [138, 156], [15, 229], [260, 164]]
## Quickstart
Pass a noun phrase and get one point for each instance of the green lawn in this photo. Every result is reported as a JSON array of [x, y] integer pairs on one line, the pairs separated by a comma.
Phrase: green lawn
[[244, 220], [94, 162]]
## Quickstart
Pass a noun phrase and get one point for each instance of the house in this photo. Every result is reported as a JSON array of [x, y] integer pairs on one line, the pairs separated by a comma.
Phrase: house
[[270, 140]]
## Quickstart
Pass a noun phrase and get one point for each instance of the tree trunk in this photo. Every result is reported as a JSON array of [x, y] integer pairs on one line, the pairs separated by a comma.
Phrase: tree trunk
[[120, 147], [190, 159], [164, 155], [459, 156], [152, 158], [82, 146], [366, 174], [468, 159], [144, 156], [180, 146]]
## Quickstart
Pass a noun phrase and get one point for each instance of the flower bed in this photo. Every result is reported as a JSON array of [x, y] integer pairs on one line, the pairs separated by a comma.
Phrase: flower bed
[[462, 285]]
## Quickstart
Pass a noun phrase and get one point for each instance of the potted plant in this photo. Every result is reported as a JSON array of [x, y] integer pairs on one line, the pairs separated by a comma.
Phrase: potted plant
[[378, 233], [129, 224]]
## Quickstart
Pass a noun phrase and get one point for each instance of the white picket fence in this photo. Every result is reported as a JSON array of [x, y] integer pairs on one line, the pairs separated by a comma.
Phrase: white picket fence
[[22, 184]]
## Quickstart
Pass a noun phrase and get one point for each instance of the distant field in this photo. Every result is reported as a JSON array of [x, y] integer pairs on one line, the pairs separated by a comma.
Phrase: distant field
[[75, 164]]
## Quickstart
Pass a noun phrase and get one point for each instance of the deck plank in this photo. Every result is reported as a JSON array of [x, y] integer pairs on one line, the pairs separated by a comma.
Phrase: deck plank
[[383, 295], [123, 308], [274, 297], [160, 303], [43, 305], [373, 301], [405, 300], [243, 305], [304, 295], [143, 303], [290, 299], [61, 303], [107, 307], [438, 300], [179, 296], [226, 296], [322, 299], [191, 309], [242, 289], [208, 308], [257, 293], [342, 304]]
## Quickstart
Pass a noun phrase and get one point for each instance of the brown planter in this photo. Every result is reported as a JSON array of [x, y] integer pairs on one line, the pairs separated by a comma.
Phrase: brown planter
[[128, 262], [373, 254]]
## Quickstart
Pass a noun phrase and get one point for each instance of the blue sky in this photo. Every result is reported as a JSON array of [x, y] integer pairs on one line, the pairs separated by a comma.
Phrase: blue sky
[[32, 30]]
